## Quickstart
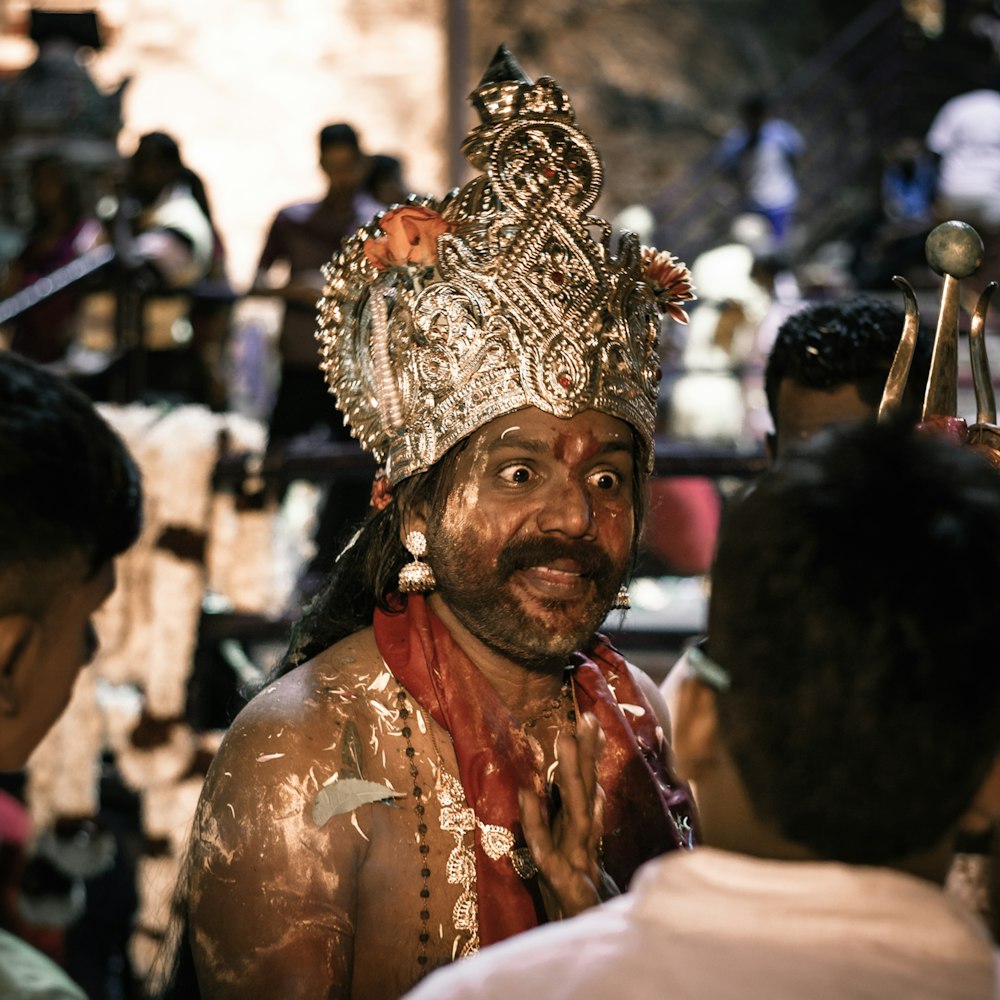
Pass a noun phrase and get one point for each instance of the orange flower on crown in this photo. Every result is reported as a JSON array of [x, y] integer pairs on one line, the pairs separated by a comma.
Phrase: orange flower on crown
[[381, 490], [670, 280], [410, 238]]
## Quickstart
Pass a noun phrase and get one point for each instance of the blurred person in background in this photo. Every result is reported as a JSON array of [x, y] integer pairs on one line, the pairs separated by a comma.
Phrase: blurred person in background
[[385, 181], [62, 229], [302, 238], [761, 155], [171, 246], [892, 241], [965, 138]]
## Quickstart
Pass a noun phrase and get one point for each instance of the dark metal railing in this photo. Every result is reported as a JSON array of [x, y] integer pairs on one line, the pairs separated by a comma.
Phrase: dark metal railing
[[87, 265]]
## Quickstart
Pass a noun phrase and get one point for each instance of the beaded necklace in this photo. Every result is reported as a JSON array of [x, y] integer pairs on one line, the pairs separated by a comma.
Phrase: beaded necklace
[[567, 691], [418, 794]]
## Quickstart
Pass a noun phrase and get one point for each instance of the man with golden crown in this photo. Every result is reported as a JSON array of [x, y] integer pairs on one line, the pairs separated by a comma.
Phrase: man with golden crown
[[450, 754]]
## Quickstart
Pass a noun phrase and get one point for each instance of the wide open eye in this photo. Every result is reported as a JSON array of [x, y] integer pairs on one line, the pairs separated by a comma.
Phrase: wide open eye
[[605, 480], [516, 474]]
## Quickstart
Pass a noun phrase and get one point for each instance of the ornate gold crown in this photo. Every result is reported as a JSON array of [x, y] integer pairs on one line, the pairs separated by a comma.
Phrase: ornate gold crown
[[439, 317]]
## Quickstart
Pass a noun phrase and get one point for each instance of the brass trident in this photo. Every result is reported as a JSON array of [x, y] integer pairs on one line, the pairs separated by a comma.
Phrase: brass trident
[[955, 251]]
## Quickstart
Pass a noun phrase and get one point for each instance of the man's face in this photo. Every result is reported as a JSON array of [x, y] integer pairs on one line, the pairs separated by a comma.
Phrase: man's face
[[66, 642], [536, 535], [344, 167], [148, 175], [804, 412]]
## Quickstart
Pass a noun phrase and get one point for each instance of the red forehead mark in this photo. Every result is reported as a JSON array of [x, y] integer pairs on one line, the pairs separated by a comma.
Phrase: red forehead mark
[[580, 446]]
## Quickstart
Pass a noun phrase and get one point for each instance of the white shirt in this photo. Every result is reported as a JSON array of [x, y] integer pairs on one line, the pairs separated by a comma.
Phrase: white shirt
[[965, 133], [180, 261], [768, 170], [710, 925]]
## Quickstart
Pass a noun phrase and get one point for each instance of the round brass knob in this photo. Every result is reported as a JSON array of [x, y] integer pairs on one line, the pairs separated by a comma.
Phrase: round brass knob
[[954, 248]]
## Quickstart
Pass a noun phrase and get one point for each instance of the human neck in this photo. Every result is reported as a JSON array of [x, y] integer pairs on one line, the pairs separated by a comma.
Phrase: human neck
[[522, 687], [730, 823], [338, 201]]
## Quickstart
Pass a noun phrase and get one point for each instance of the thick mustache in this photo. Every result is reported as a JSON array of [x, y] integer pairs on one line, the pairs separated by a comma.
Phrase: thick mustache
[[592, 560]]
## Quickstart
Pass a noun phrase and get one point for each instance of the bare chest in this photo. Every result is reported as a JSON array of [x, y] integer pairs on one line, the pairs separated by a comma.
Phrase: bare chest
[[418, 900]]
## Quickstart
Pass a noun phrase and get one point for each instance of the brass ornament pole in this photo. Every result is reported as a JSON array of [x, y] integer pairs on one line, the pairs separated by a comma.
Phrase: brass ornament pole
[[955, 251], [984, 435], [895, 384], [986, 404]]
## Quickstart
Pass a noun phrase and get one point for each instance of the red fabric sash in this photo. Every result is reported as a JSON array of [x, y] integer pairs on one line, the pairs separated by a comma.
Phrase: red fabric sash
[[648, 810]]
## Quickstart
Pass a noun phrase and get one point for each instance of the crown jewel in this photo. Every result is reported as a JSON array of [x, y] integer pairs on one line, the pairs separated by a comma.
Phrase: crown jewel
[[439, 317]]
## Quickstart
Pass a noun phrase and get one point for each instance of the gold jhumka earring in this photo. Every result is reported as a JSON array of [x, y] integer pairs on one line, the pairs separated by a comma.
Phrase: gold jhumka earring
[[416, 577]]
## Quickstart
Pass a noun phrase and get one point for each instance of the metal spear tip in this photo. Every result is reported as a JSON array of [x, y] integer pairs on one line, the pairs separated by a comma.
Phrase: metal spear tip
[[954, 248]]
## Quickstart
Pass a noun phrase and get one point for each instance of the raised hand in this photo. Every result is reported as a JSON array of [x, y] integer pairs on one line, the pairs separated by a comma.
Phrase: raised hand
[[565, 837]]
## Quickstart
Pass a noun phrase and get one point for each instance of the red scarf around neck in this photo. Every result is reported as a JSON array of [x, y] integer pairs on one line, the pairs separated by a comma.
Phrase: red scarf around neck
[[648, 809]]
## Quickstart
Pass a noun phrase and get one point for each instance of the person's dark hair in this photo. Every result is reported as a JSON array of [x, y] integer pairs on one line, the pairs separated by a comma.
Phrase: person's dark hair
[[385, 172], [167, 150], [365, 573], [754, 106], [754, 112], [162, 147], [67, 482], [340, 134], [830, 344], [848, 607]]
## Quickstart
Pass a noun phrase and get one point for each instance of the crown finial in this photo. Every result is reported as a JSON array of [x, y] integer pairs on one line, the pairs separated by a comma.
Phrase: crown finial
[[505, 94], [504, 68]]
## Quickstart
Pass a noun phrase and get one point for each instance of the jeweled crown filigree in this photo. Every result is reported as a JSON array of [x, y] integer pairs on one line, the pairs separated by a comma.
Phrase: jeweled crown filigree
[[524, 305]]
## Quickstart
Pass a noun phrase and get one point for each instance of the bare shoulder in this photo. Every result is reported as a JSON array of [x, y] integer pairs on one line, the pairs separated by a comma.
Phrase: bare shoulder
[[301, 732], [282, 830], [308, 699], [654, 696]]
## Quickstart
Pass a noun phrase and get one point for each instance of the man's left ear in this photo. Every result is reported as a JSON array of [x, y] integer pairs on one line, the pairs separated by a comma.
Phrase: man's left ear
[[696, 729], [19, 638]]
